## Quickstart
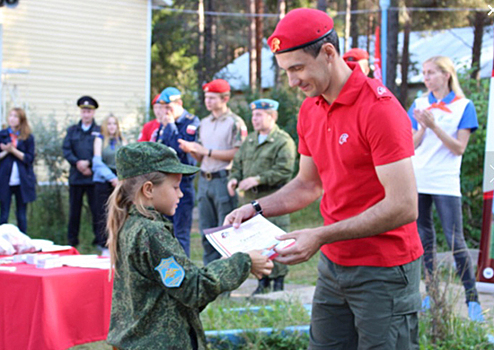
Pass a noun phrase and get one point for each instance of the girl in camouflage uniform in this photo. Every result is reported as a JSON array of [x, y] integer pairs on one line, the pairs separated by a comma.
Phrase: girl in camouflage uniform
[[158, 292]]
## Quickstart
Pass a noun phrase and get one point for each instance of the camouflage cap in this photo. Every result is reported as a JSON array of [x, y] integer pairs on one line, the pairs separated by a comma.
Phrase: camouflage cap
[[146, 157]]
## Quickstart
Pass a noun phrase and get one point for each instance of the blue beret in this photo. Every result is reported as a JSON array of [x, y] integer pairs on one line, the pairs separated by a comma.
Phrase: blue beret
[[170, 94], [264, 103], [87, 102]]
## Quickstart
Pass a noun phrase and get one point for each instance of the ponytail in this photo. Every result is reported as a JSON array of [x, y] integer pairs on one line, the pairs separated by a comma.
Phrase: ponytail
[[125, 194]]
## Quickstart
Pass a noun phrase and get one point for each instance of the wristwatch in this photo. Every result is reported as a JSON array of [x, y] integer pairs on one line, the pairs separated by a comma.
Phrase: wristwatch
[[257, 207]]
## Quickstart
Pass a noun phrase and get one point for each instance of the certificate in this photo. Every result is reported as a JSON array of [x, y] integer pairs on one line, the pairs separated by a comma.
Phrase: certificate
[[257, 233]]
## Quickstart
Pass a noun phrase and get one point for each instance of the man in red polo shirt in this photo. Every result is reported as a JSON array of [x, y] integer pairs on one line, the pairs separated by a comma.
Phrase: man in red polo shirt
[[355, 144], [151, 126]]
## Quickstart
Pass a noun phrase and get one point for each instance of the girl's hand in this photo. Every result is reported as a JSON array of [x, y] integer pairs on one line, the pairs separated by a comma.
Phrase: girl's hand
[[261, 265]]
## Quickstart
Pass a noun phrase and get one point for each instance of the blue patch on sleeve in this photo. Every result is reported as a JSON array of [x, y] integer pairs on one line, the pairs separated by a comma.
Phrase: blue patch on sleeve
[[469, 118], [415, 125], [172, 274]]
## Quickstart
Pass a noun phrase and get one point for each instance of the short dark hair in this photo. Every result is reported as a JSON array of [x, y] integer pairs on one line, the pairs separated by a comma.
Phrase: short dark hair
[[332, 38]]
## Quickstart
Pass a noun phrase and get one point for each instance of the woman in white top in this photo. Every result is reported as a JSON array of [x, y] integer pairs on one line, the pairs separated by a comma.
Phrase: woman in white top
[[104, 169], [442, 122]]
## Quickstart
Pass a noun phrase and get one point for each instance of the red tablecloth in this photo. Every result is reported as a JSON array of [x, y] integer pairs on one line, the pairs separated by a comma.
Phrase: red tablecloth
[[53, 308]]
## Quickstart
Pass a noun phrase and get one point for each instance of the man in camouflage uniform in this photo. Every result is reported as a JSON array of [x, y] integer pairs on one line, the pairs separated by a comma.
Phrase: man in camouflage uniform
[[220, 136], [263, 164], [158, 292]]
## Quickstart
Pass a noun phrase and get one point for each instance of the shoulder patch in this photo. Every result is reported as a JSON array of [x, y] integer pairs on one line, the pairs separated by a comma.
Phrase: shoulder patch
[[379, 90], [243, 130], [191, 129], [172, 274]]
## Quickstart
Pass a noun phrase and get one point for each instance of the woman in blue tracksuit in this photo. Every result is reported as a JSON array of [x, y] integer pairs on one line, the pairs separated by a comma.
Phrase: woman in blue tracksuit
[[16, 167]]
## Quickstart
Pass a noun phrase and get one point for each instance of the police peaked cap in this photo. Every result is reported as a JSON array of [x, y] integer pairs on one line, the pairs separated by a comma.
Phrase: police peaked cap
[[87, 102]]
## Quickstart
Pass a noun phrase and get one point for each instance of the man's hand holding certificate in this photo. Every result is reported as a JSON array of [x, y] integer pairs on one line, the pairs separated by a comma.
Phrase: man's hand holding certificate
[[256, 233]]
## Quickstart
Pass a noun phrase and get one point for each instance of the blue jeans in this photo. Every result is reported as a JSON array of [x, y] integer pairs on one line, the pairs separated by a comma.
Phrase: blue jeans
[[20, 208], [449, 211]]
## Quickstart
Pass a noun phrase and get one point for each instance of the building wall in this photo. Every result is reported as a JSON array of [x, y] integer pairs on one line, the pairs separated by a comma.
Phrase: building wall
[[71, 48]]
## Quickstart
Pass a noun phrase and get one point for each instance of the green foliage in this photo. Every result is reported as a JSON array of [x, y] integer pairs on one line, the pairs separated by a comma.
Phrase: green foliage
[[174, 54], [473, 159], [461, 333], [435, 20], [49, 147]]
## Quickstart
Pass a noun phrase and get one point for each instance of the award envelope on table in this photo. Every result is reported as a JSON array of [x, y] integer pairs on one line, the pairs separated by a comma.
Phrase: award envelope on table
[[257, 233]]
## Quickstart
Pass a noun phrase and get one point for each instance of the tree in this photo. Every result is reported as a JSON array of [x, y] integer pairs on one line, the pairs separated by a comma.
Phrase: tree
[[354, 33], [322, 5], [405, 58], [392, 48], [209, 42], [478, 24]]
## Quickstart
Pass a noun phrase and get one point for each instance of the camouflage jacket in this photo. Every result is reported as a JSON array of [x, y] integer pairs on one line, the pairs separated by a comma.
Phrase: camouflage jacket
[[272, 161], [158, 292]]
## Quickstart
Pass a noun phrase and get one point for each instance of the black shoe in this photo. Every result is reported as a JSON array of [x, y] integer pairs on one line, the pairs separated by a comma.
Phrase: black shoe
[[263, 286], [278, 284]]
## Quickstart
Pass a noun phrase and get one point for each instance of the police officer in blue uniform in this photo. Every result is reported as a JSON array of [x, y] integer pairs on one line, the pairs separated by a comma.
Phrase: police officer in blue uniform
[[78, 150], [176, 124]]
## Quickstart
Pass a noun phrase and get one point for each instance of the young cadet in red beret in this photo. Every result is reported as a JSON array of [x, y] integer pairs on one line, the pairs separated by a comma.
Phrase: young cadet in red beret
[[151, 126], [355, 146], [219, 137], [360, 56]]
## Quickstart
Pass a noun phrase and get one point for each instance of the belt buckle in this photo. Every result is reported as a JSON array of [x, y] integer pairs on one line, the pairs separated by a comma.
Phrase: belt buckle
[[208, 176]]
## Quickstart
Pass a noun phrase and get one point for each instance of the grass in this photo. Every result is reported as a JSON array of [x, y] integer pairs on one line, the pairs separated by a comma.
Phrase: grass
[[278, 314]]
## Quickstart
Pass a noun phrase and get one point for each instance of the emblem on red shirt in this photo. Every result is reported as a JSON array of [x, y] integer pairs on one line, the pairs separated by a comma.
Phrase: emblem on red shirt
[[381, 90], [343, 138]]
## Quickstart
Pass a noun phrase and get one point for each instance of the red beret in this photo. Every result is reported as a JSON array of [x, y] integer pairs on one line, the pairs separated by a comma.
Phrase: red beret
[[218, 85], [355, 54], [300, 28], [155, 100]]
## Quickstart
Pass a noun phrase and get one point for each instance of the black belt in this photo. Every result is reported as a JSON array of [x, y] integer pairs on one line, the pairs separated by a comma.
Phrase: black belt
[[265, 188], [218, 174]]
